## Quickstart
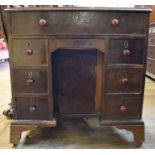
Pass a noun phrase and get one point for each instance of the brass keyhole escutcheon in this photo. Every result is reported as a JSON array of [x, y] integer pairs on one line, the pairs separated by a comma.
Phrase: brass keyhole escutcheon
[[29, 50], [29, 44], [78, 16], [126, 44], [30, 80], [30, 74], [32, 107]]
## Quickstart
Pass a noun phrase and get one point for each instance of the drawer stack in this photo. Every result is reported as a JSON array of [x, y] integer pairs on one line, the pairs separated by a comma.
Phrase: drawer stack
[[151, 53], [30, 78], [124, 79], [121, 38]]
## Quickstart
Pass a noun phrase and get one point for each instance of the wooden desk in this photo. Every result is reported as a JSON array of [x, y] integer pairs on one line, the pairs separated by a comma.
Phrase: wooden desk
[[77, 62]]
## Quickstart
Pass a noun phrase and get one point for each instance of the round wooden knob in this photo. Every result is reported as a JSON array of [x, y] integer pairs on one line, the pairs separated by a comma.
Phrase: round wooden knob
[[125, 81], [114, 22], [126, 52], [32, 109], [42, 22], [29, 51], [123, 108]]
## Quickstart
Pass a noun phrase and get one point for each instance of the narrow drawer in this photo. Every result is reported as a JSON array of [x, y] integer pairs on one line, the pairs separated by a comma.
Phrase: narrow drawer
[[77, 23], [127, 51], [31, 109], [152, 40], [151, 66], [124, 80], [151, 52], [29, 52], [30, 81], [121, 107]]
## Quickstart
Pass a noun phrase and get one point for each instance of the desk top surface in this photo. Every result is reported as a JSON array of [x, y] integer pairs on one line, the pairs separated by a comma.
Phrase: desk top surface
[[81, 9]]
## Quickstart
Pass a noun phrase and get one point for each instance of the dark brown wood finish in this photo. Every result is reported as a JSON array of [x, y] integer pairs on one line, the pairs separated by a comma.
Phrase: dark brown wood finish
[[32, 109], [78, 43], [74, 80], [120, 80], [77, 23], [34, 52], [122, 107], [17, 127], [128, 51], [138, 132], [30, 81], [78, 62]]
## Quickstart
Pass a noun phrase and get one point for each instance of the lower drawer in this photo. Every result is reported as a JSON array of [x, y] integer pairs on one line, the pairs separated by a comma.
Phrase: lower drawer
[[31, 109], [30, 81], [124, 80], [122, 107], [151, 66]]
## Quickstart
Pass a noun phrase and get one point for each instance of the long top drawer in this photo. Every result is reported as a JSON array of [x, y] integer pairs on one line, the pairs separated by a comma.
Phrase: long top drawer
[[77, 23]]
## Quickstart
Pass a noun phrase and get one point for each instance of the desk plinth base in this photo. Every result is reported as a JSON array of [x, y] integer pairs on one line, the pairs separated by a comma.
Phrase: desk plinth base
[[135, 126], [19, 126], [138, 132]]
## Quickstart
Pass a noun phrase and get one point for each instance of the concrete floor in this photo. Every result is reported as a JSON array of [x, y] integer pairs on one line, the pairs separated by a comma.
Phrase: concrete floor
[[80, 133]]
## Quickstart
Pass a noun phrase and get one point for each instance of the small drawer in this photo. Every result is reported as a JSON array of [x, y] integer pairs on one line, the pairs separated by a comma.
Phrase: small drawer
[[152, 40], [30, 81], [124, 80], [121, 107], [151, 52], [77, 22], [31, 109], [127, 51], [29, 52], [151, 66]]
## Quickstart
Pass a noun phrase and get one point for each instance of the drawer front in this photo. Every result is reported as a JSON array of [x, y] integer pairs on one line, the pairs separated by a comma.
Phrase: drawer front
[[151, 66], [128, 51], [77, 23], [152, 40], [121, 107], [151, 52], [32, 109], [30, 81], [124, 80], [29, 52]]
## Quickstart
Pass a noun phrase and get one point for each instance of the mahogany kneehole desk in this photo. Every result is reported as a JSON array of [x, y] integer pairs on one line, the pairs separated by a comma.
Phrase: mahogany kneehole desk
[[76, 63]]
